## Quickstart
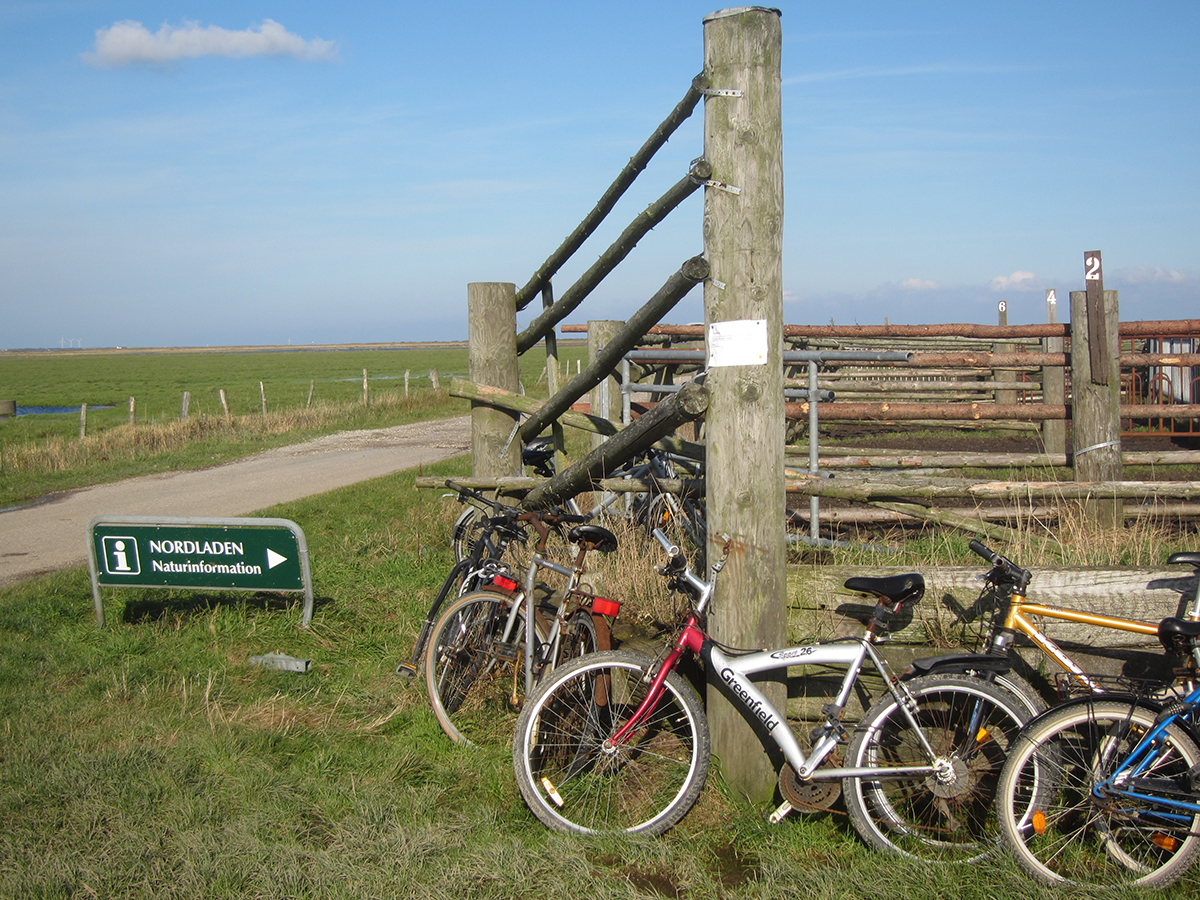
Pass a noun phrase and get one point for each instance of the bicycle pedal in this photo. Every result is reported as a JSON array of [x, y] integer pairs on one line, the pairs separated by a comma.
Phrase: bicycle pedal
[[505, 652], [778, 816], [406, 670]]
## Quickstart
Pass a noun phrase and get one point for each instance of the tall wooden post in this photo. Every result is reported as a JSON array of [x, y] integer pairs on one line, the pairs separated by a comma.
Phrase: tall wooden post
[[743, 306], [1006, 396], [1096, 400], [1054, 385], [605, 398], [492, 360]]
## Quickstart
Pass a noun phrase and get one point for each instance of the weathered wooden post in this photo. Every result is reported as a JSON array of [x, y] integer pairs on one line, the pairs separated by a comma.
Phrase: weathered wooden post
[[743, 310], [605, 398], [1054, 384], [1006, 396], [1096, 390], [492, 360]]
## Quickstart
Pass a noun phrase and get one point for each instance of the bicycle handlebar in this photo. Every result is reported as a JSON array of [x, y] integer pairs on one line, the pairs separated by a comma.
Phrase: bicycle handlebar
[[1003, 563]]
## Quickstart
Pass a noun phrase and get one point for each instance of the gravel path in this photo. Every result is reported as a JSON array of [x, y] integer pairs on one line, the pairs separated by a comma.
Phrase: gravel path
[[53, 534]]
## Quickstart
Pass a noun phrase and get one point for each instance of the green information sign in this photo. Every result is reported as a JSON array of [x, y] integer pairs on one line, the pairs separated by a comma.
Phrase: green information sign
[[224, 554]]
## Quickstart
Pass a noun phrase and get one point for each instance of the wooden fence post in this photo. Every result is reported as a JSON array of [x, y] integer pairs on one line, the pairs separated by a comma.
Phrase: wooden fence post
[[1054, 384], [1004, 395], [743, 238], [1096, 402], [492, 360], [183, 406], [82, 420], [605, 398], [130, 410]]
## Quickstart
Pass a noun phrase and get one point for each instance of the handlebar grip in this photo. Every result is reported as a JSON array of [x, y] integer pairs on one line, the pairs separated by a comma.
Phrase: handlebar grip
[[990, 555]]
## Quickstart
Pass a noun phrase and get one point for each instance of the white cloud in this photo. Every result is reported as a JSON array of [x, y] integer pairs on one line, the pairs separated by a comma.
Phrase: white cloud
[[1149, 275], [129, 42], [1017, 281], [919, 284]]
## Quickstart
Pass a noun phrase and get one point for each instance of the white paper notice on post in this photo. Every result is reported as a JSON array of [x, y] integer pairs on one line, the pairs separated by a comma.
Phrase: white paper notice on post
[[742, 342]]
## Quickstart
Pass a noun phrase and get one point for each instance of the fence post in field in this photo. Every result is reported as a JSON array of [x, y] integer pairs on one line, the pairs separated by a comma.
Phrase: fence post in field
[[183, 406], [743, 312], [1054, 386], [605, 398], [433, 378], [492, 360], [130, 410], [312, 384], [406, 373], [1005, 396], [82, 420], [224, 402], [365, 401], [262, 393], [1096, 398]]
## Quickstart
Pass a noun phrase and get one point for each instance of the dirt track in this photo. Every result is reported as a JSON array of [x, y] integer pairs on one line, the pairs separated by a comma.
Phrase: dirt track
[[53, 534]]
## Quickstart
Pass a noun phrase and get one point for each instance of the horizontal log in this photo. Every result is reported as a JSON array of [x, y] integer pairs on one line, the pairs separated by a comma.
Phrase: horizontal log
[[953, 611], [1144, 328], [873, 515], [522, 484], [879, 459], [853, 487], [897, 412], [885, 412]]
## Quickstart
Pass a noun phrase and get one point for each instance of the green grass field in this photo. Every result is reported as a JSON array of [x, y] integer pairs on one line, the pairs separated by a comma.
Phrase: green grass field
[[149, 760], [40, 454]]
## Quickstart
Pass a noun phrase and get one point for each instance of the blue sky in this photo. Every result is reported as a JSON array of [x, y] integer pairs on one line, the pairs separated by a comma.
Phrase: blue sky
[[221, 173]]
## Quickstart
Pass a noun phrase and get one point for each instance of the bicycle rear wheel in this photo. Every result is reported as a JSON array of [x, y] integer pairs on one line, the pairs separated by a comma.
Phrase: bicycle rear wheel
[[970, 725], [475, 671], [575, 781], [1067, 825]]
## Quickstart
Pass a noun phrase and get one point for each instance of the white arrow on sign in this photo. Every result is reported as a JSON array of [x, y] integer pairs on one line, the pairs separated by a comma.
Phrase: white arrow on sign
[[274, 559]]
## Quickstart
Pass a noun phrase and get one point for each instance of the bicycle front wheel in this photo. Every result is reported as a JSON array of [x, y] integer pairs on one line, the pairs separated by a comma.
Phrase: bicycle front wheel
[[1068, 821], [576, 779], [475, 668], [963, 727]]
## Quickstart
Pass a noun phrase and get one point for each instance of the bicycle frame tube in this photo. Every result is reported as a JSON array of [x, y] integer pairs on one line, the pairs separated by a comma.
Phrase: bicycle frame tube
[[734, 673], [530, 631], [1017, 620], [1139, 759]]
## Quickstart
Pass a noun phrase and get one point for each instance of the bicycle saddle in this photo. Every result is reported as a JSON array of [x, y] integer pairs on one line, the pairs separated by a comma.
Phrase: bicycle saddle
[[1190, 559], [593, 537], [899, 589], [1178, 636], [537, 452]]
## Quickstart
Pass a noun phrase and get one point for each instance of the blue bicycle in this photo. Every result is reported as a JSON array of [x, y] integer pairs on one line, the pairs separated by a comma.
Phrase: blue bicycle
[[1105, 790]]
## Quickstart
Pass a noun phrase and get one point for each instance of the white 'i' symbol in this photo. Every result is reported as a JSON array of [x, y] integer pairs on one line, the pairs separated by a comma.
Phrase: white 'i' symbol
[[119, 555]]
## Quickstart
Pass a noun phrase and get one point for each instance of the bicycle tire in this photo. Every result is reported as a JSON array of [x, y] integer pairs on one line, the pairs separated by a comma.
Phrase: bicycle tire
[[476, 685], [948, 816], [646, 784], [466, 531], [1063, 831]]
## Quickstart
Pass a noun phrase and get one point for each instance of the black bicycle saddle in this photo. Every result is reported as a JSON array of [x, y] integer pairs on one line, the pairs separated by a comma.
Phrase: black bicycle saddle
[[594, 537]]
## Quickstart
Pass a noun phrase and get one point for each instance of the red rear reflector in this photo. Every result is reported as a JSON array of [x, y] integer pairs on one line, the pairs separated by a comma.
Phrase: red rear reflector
[[605, 607], [503, 583]]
